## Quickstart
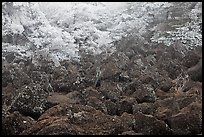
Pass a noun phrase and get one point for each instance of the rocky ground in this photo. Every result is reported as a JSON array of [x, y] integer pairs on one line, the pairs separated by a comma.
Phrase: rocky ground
[[138, 90]]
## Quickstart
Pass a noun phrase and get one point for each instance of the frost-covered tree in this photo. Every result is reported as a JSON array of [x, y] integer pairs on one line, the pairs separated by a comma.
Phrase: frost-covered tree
[[183, 24], [67, 30]]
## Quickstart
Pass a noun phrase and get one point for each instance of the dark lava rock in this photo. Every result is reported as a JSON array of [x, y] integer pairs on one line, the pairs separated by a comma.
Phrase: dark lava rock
[[126, 105], [173, 68], [195, 72], [15, 123], [163, 113], [145, 108], [144, 93], [191, 59], [131, 132], [188, 121], [91, 92], [6, 78], [166, 85], [60, 128], [149, 79], [40, 124], [124, 77], [110, 90], [170, 103], [21, 78], [31, 101], [110, 71], [77, 119], [76, 97], [127, 121], [98, 123], [111, 107], [195, 90], [162, 95], [96, 103], [185, 101], [58, 99], [149, 125]]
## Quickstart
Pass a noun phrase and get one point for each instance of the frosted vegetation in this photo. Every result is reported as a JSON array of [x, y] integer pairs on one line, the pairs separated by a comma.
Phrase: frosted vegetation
[[57, 31]]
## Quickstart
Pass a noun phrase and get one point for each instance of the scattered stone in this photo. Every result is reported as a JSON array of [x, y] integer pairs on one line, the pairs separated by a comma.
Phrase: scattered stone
[[149, 125], [126, 105], [145, 108], [127, 121], [96, 103], [91, 92], [144, 93], [31, 101], [188, 121], [110, 90], [15, 123], [111, 107], [195, 72]]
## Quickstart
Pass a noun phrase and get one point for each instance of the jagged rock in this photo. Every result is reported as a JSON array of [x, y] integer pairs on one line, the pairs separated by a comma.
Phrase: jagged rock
[[149, 79], [144, 93], [20, 78], [127, 121], [76, 97], [110, 90], [196, 90], [168, 103], [96, 103], [6, 78], [61, 128], [195, 72], [59, 86], [163, 113], [91, 92], [40, 124], [82, 119], [31, 100], [166, 85], [111, 107], [188, 121], [124, 77], [185, 101], [162, 95], [130, 76], [58, 98], [149, 125], [172, 67], [131, 87], [110, 71], [98, 123], [15, 123], [126, 105], [145, 108], [191, 59]]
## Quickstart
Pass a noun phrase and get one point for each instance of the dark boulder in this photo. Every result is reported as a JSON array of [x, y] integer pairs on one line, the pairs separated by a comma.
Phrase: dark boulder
[[195, 72], [144, 93], [126, 105], [31, 101], [149, 125], [111, 107], [188, 121], [15, 123]]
